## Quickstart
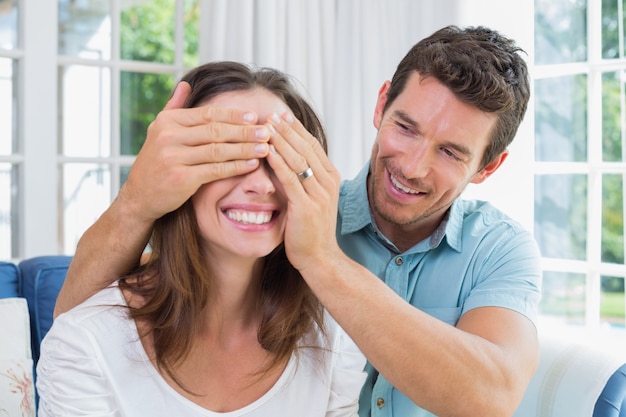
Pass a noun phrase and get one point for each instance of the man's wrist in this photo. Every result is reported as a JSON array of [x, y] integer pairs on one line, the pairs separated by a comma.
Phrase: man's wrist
[[127, 208]]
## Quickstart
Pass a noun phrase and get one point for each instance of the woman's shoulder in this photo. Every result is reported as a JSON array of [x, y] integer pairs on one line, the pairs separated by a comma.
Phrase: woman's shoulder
[[101, 306], [100, 323], [323, 337], [330, 368], [333, 345]]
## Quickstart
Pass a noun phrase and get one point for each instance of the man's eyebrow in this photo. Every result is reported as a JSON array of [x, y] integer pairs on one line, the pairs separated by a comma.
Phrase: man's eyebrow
[[406, 119]]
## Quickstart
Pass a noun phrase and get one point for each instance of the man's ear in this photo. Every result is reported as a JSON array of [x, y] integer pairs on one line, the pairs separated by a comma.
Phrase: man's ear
[[380, 104], [491, 167]]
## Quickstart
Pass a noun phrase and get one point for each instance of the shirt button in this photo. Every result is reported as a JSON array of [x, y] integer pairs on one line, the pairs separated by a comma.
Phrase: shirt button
[[399, 260], [380, 403]]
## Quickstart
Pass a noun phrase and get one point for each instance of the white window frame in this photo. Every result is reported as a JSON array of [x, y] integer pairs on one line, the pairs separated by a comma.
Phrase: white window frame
[[37, 127], [592, 267], [40, 198]]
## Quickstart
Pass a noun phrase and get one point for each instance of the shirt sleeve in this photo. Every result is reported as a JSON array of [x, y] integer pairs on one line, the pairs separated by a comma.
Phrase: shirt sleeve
[[509, 274], [70, 378], [348, 376]]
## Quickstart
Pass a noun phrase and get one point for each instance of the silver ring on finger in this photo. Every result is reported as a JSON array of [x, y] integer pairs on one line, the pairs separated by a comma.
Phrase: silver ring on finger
[[307, 173]]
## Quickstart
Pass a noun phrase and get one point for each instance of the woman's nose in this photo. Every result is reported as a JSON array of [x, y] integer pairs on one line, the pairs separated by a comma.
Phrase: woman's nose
[[259, 181]]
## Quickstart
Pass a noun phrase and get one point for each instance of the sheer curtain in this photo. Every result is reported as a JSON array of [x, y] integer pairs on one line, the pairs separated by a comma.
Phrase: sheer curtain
[[340, 51]]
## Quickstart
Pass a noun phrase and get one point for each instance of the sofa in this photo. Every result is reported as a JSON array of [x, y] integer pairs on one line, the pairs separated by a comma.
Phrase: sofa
[[28, 291], [574, 378]]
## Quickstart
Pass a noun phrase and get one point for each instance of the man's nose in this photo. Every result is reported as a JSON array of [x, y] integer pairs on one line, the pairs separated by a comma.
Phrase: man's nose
[[417, 161]]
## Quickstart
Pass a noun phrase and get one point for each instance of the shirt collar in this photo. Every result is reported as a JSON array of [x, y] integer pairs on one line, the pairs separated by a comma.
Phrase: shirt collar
[[355, 207], [453, 225], [355, 213]]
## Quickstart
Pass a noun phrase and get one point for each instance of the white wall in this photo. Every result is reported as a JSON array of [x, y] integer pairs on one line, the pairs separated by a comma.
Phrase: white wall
[[511, 187]]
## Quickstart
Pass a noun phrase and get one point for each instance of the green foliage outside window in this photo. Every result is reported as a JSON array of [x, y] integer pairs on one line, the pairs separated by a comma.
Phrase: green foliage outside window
[[147, 34], [610, 29]]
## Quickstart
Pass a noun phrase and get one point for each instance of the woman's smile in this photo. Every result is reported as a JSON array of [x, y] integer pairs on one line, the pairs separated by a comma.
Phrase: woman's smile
[[249, 217]]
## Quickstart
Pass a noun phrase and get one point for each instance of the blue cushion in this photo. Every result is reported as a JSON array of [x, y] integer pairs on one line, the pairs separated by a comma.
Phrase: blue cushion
[[612, 400], [41, 279], [9, 277]]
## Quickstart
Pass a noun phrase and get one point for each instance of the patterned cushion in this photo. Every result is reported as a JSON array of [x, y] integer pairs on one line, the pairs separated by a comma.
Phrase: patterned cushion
[[17, 391]]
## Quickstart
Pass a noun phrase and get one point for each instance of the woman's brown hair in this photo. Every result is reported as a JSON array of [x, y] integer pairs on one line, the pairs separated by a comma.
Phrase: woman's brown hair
[[176, 283]]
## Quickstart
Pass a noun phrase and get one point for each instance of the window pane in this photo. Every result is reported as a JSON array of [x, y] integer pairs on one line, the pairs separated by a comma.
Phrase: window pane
[[142, 96], [612, 218], [9, 137], [612, 301], [192, 13], [86, 194], [610, 29], [561, 215], [561, 119], [560, 31], [612, 99], [623, 17], [8, 24], [564, 296], [8, 211], [147, 31], [85, 111], [85, 29]]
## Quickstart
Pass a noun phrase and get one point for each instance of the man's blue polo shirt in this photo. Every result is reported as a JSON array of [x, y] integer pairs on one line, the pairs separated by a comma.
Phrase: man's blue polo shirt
[[477, 257]]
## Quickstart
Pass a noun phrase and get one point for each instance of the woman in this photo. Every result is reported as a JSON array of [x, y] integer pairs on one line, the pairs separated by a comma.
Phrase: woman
[[217, 321]]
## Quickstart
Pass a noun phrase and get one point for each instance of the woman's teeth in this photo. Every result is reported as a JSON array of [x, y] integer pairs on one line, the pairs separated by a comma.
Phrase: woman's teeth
[[249, 217], [402, 187]]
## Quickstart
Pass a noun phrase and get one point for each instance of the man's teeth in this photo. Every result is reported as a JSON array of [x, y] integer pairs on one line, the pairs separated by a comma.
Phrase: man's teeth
[[402, 187], [250, 217]]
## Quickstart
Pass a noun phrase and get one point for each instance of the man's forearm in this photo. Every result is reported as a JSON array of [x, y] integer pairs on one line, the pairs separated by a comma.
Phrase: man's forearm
[[444, 369], [110, 248]]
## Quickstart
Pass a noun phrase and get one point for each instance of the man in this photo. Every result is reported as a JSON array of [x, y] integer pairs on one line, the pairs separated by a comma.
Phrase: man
[[440, 294]]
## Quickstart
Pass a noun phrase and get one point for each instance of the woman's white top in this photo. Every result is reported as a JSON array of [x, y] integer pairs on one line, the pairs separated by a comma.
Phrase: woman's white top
[[93, 364]]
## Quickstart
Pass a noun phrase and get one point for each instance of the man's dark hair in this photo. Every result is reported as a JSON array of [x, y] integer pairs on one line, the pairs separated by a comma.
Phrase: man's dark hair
[[481, 67]]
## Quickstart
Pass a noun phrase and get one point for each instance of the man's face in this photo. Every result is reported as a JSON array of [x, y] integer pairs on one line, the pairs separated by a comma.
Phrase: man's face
[[428, 148]]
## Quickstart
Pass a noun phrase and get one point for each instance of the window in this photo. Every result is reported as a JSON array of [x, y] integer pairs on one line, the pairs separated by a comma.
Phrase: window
[[9, 160], [580, 115], [115, 65], [111, 85]]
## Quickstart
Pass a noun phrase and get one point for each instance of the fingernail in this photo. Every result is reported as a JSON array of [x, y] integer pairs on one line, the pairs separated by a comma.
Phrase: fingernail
[[271, 128], [261, 148], [248, 117], [275, 118], [252, 162], [289, 118], [261, 133], [272, 149]]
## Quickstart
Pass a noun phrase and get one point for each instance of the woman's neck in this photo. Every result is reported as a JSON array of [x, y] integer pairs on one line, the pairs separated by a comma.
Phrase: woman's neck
[[236, 287]]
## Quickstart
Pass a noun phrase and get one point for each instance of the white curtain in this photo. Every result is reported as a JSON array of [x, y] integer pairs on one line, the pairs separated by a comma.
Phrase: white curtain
[[340, 51]]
